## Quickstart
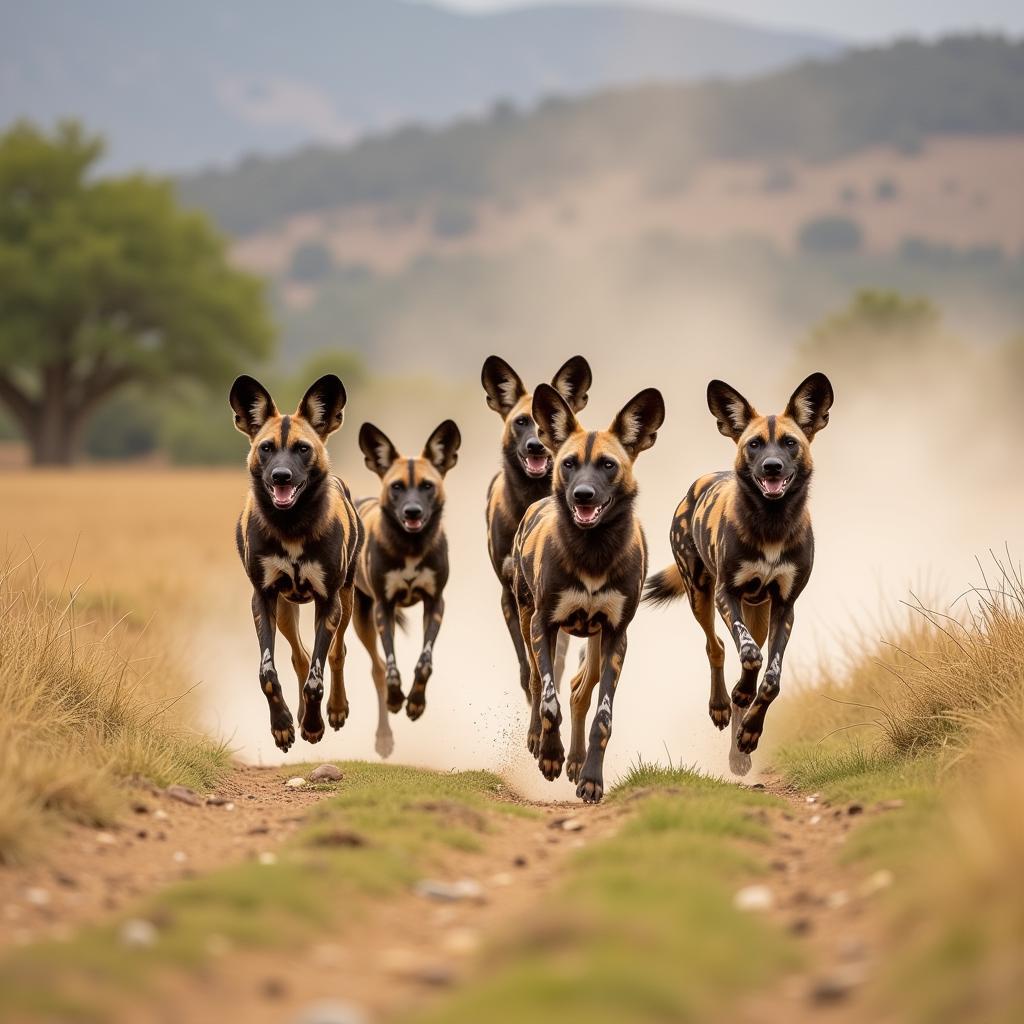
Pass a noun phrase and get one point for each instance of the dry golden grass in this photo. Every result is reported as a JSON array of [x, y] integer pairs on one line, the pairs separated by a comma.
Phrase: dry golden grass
[[85, 705]]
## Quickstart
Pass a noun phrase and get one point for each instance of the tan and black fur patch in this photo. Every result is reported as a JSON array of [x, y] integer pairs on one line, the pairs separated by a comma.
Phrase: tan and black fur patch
[[298, 538], [578, 566], [743, 546], [524, 477], [404, 562]]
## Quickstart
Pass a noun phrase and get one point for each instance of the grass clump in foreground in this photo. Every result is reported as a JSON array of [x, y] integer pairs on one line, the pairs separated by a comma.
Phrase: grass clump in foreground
[[644, 928], [947, 698], [386, 826], [78, 717]]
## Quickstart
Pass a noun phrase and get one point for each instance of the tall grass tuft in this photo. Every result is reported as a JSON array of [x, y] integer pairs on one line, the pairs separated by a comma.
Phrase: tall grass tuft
[[78, 715]]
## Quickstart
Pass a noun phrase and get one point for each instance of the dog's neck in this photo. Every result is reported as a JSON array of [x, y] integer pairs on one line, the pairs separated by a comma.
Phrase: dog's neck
[[769, 521]]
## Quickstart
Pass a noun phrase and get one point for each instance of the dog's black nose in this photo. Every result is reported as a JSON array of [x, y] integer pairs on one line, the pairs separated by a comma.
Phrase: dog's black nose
[[534, 447], [584, 494], [412, 512], [281, 476], [772, 467]]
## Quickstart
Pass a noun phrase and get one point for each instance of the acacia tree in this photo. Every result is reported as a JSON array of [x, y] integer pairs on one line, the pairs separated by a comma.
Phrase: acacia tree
[[106, 282]]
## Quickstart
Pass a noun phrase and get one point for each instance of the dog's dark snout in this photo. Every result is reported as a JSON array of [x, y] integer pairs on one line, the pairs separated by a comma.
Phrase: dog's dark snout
[[772, 467], [584, 494], [413, 512], [534, 447], [281, 476]]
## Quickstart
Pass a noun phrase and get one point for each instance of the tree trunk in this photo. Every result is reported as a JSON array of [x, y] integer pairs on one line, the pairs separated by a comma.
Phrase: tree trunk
[[52, 443]]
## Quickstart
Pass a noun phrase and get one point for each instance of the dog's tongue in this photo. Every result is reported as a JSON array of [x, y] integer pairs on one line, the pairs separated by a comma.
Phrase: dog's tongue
[[536, 463], [283, 494], [774, 486], [586, 513]]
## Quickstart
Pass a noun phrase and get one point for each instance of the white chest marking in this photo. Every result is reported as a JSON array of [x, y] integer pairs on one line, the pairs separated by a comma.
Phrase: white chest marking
[[412, 577], [311, 574], [767, 571], [574, 600]]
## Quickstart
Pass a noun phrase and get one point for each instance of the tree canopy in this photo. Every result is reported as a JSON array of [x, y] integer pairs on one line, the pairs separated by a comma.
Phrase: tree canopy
[[107, 282]]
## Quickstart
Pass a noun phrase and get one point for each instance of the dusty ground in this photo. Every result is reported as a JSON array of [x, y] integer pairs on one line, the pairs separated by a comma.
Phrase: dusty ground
[[410, 950]]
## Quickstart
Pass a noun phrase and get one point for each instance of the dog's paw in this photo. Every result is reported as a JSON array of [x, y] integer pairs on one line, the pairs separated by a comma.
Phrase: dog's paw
[[750, 657], [551, 757], [574, 767], [533, 743], [743, 693], [747, 737], [591, 789], [721, 714], [416, 702], [395, 698], [282, 728], [337, 717], [384, 744]]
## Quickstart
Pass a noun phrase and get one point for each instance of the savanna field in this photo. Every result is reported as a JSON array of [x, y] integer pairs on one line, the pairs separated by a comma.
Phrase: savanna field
[[441, 203]]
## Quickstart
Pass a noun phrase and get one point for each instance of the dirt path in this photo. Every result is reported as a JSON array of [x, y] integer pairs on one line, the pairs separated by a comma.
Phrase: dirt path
[[413, 948]]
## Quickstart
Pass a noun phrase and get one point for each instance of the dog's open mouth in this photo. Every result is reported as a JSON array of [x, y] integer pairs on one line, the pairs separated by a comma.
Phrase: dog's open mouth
[[774, 488], [588, 515], [536, 465], [284, 495], [413, 524]]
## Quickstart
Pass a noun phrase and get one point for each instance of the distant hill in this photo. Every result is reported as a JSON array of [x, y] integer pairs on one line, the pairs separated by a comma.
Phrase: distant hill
[[897, 95], [178, 86]]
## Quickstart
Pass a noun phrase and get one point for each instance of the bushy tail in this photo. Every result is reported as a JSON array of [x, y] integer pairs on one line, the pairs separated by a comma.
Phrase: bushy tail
[[664, 587]]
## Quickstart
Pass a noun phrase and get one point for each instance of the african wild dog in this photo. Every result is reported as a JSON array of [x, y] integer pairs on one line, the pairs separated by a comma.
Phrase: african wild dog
[[404, 562], [525, 477], [299, 538], [742, 542], [579, 563]]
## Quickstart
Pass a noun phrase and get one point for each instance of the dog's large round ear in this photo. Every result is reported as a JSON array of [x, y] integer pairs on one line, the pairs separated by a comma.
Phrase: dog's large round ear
[[442, 447], [639, 420], [810, 403], [323, 405], [252, 405], [380, 454], [556, 422], [501, 384], [732, 411], [573, 382]]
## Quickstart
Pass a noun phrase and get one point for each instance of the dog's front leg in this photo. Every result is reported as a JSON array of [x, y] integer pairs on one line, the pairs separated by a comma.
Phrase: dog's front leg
[[328, 618], [433, 614], [384, 619], [779, 631], [613, 651], [337, 703], [730, 606], [264, 617], [543, 638]]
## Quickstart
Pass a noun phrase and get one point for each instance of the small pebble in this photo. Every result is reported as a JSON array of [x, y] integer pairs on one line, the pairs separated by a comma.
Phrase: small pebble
[[880, 880], [267, 858], [137, 933], [814, 819], [296, 783], [161, 815], [105, 839], [451, 892], [216, 800], [855, 809], [754, 898], [836, 986], [519, 862], [37, 897], [184, 795], [179, 857], [326, 773]]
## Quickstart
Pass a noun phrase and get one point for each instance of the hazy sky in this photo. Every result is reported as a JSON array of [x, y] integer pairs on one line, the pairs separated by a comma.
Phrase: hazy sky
[[864, 19]]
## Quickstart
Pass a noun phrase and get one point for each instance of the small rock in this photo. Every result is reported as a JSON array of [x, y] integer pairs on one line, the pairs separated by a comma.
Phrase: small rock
[[273, 988], [340, 838], [139, 807], [891, 805], [814, 819], [461, 941], [451, 892], [813, 798], [64, 879], [572, 825], [258, 830], [836, 986], [855, 809], [754, 898], [141, 834], [267, 858], [326, 773], [216, 800], [757, 785], [179, 856], [779, 865], [161, 815], [138, 933], [105, 839], [880, 880], [332, 1013], [184, 795], [801, 925], [837, 899], [37, 896], [296, 783], [519, 861], [502, 878]]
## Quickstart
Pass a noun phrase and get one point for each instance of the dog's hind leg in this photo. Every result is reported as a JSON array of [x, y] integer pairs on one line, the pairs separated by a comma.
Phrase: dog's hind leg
[[337, 702], [699, 590], [288, 623], [363, 621], [515, 629], [533, 731], [581, 690]]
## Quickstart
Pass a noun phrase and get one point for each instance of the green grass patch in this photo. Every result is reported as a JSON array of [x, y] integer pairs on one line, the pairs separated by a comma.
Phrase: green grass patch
[[644, 928], [386, 826]]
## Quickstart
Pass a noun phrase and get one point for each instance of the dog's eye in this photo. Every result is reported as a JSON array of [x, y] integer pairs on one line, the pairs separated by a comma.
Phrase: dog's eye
[[266, 447], [427, 485], [304, 448], [522, 421], [569, 463], [754, 443], [608, 464], [791, 443]]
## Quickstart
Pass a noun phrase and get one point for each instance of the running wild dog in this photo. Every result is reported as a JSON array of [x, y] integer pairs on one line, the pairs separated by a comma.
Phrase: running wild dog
[[743, 544], [404, 562], [525, 477], [579, 562], [299, 538]]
